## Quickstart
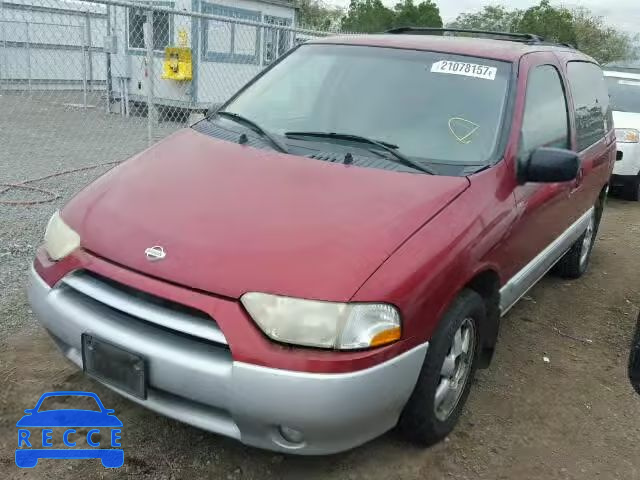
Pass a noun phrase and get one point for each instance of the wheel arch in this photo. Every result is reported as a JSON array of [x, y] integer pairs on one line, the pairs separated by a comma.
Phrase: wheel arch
[[486, 283], [601, 201]]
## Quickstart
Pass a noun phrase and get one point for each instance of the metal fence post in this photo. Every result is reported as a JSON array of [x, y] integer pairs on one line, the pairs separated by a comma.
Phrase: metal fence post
[[3, 65], [5, 60], [148, 41], [109, 84], [87, 26], [28, 57], [84, 68]]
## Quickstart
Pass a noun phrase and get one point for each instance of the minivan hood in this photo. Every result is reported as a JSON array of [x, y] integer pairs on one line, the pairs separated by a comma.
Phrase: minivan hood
[[626, 120], [233, 219]]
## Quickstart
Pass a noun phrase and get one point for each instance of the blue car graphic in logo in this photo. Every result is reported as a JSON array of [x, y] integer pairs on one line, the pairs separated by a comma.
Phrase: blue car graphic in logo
[[31, 448]]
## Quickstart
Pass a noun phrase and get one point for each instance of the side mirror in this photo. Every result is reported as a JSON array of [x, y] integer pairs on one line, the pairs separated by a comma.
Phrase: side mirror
[[549, 165], [618, 156]]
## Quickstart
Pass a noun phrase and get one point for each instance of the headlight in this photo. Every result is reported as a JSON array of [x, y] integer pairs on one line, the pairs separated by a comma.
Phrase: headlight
[[311, 323], [627, 135], [59, 239]]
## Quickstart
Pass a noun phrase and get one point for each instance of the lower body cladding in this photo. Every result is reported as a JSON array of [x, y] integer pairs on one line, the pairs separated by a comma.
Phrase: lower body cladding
[[199, 383]]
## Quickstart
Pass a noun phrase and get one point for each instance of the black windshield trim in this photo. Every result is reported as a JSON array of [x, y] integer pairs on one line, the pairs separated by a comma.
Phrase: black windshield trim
[[398, 157], [255, 127]]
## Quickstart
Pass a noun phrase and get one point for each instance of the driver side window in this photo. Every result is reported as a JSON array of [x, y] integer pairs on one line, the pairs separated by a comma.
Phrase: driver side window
[[546, 120]]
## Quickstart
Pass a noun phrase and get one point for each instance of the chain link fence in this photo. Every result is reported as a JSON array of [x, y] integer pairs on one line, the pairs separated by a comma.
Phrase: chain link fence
[[88, 82]]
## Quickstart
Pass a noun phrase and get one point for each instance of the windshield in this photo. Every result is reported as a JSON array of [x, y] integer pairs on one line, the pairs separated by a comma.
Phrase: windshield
[[433, 106], [625, 94]]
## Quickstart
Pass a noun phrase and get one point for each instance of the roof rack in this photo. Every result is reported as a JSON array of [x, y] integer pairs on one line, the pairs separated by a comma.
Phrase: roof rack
[[514, 37]]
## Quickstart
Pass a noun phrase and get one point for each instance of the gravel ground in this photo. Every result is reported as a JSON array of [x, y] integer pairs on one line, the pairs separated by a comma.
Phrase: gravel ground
[[575, 417], [45, 134]]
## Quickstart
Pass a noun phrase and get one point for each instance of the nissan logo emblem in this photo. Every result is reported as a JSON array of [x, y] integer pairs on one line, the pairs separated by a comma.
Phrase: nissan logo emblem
[[155, 253]]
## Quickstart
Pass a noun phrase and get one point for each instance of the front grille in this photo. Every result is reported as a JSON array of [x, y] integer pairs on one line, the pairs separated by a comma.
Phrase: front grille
[[164, 314]]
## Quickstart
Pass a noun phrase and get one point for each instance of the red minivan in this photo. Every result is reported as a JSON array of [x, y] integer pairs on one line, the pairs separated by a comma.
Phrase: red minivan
[[329, 253]]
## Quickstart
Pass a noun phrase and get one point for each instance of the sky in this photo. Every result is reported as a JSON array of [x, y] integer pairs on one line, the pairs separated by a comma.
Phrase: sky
[[623, 14]]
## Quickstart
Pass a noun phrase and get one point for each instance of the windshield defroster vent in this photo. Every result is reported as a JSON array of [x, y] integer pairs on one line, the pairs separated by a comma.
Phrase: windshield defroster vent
[[332, 157]]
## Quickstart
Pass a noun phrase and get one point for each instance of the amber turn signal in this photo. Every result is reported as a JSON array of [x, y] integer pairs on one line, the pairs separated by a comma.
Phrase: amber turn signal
[[386, 336]]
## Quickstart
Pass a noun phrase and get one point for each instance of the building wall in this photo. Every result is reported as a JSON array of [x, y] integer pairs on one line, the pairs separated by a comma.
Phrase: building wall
[[51, 48], [215, 77], [218, 79], [64, 47]]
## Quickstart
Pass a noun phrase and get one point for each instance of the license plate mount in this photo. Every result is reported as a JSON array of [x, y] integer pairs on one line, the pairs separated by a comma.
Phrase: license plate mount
[[114, 366]]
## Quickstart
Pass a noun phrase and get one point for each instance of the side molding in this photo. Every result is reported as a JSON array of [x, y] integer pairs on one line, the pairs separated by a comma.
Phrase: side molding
[[526, 278]]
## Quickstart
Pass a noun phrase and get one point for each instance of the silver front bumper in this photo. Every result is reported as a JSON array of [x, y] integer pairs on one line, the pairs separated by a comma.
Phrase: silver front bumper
[[200, 384], [630, 163]]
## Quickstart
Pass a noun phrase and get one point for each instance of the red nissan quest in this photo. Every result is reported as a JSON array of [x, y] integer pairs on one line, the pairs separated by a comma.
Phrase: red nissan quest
[[328, 254]]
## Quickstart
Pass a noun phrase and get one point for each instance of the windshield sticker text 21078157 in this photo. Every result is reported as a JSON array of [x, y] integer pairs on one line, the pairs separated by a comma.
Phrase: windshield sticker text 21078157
[[466, 69]]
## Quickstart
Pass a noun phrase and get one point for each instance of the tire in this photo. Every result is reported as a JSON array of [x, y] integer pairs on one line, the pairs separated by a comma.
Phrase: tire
[[631, 190], [425, 421], [576, 261]]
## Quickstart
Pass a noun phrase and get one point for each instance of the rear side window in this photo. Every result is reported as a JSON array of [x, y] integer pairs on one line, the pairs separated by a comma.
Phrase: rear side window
[[545, 121], [591, 103]]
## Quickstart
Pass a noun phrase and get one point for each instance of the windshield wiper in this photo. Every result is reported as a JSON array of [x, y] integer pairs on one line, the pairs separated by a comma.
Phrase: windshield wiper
[[256, 128], [387, 147]]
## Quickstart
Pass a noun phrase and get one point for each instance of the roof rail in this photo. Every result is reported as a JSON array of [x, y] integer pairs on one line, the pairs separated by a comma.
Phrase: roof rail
[[514, 37]]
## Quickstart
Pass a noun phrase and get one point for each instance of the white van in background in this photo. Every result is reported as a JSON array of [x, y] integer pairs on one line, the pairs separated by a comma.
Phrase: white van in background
[[624, 90]]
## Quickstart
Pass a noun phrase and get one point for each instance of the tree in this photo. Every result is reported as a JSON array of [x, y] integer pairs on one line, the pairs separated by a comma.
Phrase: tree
[[425, 14], [371, 16], [367, 16], [578, 27], [492, 18], [317, 15], [552, 23], [604, 43]]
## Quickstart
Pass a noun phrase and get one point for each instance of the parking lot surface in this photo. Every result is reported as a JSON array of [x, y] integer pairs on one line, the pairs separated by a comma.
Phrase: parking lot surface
[[573, 417]]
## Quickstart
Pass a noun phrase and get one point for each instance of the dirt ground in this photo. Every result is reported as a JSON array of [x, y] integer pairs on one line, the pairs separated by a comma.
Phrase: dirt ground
[[575, 417]]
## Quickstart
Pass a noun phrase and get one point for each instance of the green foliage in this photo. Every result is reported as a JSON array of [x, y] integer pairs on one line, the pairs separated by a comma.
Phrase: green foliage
[[602, 42], [371, 16], [578, 27], [425, 14], [367, 16], [316, 15], [493, 17], [551, 23]]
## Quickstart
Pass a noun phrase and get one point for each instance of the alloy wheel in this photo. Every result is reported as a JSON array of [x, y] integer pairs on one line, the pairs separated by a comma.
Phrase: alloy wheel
[[587, 241], [455, 370]]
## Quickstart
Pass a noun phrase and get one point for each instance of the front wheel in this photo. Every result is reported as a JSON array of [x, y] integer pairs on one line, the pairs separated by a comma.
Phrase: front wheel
[[443, 385]]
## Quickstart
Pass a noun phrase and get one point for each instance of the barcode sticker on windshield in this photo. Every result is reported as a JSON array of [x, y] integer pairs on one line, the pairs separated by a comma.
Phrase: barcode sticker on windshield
[[466, 69]]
